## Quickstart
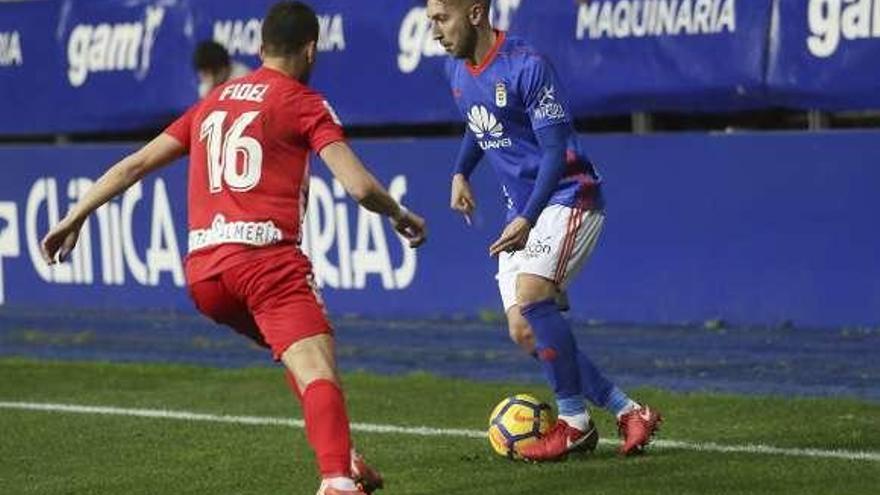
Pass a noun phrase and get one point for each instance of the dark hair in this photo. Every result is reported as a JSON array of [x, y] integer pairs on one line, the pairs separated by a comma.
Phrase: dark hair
[[288, 27], [210, 56]]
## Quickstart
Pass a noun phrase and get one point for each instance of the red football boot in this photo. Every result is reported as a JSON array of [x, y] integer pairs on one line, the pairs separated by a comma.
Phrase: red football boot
[[636, 429], [365, 477], [559, 441]]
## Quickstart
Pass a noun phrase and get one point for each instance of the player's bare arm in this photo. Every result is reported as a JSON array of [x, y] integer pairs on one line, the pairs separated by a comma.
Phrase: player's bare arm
[[61, 239], [360, 184]]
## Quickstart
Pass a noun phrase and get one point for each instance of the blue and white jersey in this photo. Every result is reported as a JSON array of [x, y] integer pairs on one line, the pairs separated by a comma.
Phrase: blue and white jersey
[[511, 94]]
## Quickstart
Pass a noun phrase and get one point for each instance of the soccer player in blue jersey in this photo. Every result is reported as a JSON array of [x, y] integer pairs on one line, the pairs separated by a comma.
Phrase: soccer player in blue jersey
[[517, 119]]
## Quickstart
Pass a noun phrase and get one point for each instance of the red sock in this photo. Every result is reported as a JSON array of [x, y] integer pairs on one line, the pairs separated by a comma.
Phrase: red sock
[[291, 383], [327, 427]]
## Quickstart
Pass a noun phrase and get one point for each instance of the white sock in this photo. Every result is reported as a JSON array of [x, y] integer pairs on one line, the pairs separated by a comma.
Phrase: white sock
[[631, 406], [578, 421], [339, 482]]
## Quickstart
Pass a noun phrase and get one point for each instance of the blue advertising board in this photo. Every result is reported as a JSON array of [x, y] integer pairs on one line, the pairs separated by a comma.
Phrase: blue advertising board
[[126, 63], [823, 54], [758, 228], [29, 67], [112, 65], [97, 65], [376, 64], [619, 56]]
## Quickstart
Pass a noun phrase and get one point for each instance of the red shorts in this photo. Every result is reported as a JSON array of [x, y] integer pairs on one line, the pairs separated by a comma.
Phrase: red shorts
[[272, 300]]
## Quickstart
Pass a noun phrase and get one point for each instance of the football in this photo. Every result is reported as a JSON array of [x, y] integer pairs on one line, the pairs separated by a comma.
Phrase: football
[[517, 421]]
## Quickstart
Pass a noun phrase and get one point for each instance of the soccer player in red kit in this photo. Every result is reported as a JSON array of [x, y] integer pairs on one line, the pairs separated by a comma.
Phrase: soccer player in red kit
[[248, 142]]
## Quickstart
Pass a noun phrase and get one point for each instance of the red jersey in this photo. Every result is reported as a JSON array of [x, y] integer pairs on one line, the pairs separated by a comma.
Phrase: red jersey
[[248, 142]]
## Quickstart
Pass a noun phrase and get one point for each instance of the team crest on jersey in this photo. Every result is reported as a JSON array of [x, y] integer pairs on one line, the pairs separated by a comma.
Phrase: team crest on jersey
[[500, 95]]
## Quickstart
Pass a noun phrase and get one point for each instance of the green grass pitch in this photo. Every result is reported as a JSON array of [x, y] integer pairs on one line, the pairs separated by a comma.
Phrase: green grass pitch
[[65, 453]]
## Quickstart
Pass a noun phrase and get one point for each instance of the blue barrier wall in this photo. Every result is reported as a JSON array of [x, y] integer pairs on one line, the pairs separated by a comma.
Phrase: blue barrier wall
[[751, 228]]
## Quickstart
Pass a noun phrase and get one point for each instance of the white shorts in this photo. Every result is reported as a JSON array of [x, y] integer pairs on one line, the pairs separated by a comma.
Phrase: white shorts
[[559, 244]]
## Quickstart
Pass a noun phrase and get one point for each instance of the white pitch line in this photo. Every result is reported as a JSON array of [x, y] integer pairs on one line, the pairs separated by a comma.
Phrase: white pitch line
[[849, 455]]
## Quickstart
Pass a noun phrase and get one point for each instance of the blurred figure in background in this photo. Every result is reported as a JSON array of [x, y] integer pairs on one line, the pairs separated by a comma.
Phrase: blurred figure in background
[[214, 67]]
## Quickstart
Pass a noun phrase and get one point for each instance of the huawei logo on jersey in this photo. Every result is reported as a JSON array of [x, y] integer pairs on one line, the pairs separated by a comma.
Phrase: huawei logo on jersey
[[482, 122], [487, 129]]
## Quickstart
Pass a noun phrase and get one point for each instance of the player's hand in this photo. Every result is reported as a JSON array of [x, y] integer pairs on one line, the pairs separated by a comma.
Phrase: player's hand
[[514, 237], [60, 241], [462, 199], [410, 226]]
